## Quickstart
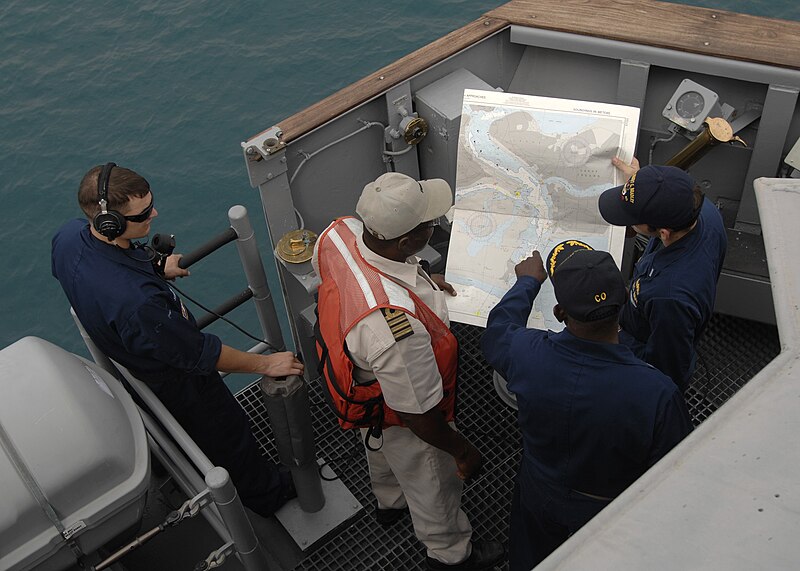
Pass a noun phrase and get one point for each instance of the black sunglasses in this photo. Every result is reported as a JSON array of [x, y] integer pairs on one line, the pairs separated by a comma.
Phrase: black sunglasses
[[143, 215]]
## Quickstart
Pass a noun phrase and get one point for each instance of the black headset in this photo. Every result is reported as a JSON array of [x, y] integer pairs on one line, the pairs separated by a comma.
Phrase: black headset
[[108, 223]]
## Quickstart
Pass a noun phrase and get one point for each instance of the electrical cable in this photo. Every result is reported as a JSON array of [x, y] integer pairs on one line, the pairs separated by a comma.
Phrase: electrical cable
[[344, 457], [301, 223], [398, 153], [157, 254], [655, 142], [308, 156], [356, 448], [222, 317], [148, 251]]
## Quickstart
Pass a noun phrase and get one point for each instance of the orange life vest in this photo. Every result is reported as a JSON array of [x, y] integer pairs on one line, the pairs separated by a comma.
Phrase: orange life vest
[[350, 290]]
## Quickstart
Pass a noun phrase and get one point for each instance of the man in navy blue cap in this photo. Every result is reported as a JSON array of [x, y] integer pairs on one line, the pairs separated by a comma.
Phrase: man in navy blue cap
[[593, 416], [674, 284]]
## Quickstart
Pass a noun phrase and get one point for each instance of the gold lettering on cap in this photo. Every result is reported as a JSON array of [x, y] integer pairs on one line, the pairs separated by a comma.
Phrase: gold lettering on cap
[[629, 190], [635, 292], [600, 297]]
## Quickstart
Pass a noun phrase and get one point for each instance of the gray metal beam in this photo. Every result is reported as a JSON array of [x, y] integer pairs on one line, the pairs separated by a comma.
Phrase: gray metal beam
[[632, 85], [773, 127], [655, 56]]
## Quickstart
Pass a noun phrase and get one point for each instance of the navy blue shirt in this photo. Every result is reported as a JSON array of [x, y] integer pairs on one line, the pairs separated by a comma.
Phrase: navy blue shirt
[[129, 312], [593, 417], [672, 295]]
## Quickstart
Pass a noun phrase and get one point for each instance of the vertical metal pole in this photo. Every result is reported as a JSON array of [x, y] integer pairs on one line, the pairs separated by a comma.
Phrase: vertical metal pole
[[288, 408], [256, 277], [230, 508]]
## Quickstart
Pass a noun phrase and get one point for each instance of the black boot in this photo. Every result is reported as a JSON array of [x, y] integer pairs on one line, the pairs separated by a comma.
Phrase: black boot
[[485, 555], [389, 516]]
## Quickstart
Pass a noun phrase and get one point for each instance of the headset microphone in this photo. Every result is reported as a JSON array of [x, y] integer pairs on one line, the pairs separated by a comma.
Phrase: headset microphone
[[108, 223], [162, 247]]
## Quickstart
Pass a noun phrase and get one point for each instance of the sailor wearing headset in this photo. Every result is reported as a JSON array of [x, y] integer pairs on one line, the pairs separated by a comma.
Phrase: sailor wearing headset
[[135, 318]]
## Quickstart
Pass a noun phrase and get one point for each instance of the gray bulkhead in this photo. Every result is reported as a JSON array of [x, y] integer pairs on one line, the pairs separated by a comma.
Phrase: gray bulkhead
[[335, 162]]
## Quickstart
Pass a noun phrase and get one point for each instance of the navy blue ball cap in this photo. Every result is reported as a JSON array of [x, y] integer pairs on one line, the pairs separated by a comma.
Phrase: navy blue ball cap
[[660, 196], [589, 286], [562, 252]]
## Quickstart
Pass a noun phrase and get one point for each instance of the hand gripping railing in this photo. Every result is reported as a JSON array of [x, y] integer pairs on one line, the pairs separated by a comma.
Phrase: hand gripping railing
[[287, 409], [286, 400]]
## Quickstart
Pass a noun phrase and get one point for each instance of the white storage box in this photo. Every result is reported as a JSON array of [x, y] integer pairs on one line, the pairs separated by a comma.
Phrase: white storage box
[[80, 436]]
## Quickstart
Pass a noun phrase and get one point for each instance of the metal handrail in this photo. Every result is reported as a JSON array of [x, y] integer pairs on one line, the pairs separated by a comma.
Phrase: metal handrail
[[241, 231], [230, 522], [289, 409], [217, 242], [225, 308]]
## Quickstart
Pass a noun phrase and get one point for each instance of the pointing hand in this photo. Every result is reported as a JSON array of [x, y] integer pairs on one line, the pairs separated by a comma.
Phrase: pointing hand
[[532, 266]]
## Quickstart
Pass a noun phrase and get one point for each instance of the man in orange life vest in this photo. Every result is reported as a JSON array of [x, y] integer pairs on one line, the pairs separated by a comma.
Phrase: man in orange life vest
[[381, 317]]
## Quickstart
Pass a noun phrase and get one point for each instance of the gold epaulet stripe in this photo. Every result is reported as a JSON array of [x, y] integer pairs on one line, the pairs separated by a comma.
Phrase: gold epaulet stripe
[[398, 323]]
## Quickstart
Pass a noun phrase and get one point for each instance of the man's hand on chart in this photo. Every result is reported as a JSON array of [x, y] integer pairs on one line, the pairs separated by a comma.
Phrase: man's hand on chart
[[532, 266], [439, 280], [627, 169]]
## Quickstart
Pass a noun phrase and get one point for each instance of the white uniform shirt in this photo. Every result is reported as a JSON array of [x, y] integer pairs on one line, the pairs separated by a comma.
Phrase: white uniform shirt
[[406, 369]]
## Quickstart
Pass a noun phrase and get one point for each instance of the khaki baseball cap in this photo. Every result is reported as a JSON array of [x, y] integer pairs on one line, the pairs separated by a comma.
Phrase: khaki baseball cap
[[395, 204]]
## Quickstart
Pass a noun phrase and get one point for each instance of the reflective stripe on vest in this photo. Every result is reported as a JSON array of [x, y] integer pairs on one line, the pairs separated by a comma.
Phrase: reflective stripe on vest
[[350, 290]]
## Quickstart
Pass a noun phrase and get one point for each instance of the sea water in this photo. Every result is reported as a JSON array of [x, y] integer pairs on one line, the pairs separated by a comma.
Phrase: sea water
[[170, 89]]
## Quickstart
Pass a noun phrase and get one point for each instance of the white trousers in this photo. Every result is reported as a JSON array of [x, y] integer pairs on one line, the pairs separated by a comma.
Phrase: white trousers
[[408, 471]]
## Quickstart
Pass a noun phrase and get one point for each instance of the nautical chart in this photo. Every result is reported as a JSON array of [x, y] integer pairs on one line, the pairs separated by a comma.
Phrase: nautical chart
[[529, 172]]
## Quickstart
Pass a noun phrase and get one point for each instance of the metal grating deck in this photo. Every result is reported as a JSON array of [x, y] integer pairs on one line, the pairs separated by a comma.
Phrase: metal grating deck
[[732, 351]]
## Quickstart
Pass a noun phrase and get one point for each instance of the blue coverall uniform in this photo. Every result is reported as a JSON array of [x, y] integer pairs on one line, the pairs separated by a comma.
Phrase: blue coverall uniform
[[134, 317], [593, 418], [672, 295]]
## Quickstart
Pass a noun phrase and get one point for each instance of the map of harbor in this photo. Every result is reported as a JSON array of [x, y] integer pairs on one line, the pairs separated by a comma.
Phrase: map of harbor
[[529, 172]]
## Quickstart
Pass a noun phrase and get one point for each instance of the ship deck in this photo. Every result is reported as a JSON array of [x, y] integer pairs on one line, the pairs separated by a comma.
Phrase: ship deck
[[732, 351]]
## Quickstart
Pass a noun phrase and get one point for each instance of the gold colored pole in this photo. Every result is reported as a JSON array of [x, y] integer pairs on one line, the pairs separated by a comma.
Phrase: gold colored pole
[[715, 131]]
